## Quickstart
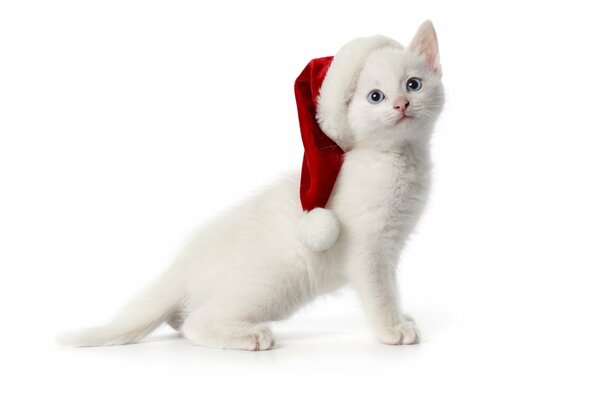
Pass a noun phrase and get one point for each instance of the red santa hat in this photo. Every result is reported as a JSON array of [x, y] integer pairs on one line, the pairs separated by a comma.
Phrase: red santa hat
[[323, 91]]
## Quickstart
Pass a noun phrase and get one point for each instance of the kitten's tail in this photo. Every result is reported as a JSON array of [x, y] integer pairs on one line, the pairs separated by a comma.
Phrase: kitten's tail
[[142, 315]]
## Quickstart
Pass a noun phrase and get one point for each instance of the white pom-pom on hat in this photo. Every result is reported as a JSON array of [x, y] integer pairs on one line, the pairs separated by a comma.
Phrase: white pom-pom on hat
[[319, 228]]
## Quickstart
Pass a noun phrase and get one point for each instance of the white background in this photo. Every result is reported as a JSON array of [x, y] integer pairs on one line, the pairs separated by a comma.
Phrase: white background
[[126, 124]]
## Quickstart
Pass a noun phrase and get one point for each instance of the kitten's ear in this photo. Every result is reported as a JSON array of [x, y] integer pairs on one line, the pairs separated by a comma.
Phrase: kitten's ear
[[425, 43]]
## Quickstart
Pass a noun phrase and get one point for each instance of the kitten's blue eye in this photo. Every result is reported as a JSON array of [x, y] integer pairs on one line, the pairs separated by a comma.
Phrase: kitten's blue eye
[[414, 84], [375, 96]]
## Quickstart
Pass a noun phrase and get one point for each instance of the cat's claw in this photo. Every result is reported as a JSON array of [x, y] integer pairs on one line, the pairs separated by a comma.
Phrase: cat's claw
[[406, 332]]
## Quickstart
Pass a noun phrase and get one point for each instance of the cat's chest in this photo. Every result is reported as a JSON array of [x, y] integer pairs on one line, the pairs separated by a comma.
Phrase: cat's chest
[[389, 188]]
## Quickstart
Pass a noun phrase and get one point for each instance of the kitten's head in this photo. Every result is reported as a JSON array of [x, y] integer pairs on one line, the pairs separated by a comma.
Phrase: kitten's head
[[396, 96]]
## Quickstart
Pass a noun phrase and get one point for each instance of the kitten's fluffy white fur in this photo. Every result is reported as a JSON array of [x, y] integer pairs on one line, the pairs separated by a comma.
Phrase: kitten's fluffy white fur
[[250, 266]]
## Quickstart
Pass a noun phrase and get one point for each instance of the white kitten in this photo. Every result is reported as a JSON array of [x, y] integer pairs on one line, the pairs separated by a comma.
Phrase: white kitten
[[250, 266]]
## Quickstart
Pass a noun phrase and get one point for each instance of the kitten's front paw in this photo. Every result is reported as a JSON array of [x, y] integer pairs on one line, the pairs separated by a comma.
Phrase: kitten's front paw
[[406, 332]]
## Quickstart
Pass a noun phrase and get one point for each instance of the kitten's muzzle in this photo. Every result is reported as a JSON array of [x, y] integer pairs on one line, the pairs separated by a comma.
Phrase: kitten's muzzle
[[402, 105]]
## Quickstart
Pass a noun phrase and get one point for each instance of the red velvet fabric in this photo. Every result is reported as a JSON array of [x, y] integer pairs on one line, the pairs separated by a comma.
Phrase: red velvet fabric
[[322, 156]]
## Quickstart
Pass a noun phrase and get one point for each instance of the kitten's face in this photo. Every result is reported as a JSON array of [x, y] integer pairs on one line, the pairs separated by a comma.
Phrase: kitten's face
[[398, 97]]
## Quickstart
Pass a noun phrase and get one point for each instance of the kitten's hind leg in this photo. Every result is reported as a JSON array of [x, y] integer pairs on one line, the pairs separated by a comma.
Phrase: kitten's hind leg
[[175, 320], [214, 333]]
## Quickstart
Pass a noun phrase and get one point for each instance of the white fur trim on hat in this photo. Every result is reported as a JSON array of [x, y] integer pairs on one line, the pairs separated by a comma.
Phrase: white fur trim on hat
[[340, 83], [319, 228]]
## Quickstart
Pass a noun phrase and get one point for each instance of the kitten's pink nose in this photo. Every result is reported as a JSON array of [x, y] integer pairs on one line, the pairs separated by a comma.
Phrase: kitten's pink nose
[[401, 105]]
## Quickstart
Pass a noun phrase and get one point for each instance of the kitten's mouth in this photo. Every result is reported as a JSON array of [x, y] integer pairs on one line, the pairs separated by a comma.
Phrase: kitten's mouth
[[403, 117]]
